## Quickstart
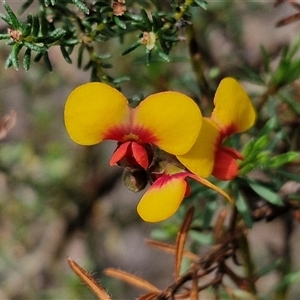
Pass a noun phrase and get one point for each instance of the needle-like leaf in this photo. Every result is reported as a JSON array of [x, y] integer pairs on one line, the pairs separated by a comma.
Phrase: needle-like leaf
[[181, 239], [88, 280], [131, 279]]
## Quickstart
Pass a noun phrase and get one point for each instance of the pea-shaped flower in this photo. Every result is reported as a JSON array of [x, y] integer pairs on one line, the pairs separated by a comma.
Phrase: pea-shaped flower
[[95, 112], [165, 195], [233, 113]]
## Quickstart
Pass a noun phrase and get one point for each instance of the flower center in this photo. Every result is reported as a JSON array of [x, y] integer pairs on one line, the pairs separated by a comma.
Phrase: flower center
[[131, 137]]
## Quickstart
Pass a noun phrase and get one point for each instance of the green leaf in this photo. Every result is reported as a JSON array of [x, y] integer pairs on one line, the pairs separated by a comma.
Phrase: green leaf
[[265, 193], [170, 38], [38, 56], [292, 102], [15, 53], [135, 17], [71, 42], [243, 209], [242, 206], [8, 62], [282, 159], [82, 6], [65, 55], [47, 61], [163, 55], [4, 36], [146, 20], [248, 148], [121, 79], [252, 75], [148, 56], [6, 19], [247, 167], [35, 26], [287, 281], [119, 23], [49, 2], [261, 143], [26, 30], [26, 59], [44, 24], [289, 175], [271, 124], [131, 48], [14, 20], [157, 23], [80, 56], [201, 3], [88, 65], [52, 37], [105, 9], [266, 59], [102, 56], [35, 47], [25, 6], [106, 65]]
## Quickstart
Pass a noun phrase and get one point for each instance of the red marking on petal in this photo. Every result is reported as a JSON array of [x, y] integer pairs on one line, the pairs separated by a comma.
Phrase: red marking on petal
[[225, 167], [145, 135], [227, 131], [166, 179], [140, 154], [117, 133], [125, 133], [119, 153]]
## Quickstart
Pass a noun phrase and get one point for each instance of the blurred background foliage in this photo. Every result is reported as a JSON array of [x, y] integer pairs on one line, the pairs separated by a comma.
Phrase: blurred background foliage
[[59, 199]]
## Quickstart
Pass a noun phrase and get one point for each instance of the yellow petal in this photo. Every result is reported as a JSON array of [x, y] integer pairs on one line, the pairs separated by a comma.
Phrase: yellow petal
[[173, 118], [163, 198], [200, 158], [92, 110], [233, 110]]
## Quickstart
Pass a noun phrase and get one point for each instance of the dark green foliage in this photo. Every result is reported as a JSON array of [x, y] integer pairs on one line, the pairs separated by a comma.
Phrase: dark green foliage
[[68, 23]]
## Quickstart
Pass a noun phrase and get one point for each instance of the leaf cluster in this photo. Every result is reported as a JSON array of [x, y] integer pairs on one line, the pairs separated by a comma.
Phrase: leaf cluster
[[70, 23]]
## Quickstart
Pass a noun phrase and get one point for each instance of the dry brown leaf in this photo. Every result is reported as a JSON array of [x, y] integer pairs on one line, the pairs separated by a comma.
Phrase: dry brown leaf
[[168, 248], [295, 5], [132, 279], [194, 295], [288, 20], [6, 123], [220, 222], [88, 280], [181, 239]]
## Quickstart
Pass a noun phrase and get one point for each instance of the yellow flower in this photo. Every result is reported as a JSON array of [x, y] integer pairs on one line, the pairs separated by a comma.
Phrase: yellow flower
[[169, 120], [233, 113]]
